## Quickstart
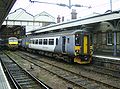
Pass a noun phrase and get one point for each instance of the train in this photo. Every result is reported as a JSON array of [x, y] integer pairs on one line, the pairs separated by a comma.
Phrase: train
[[69, 45], [10, 43]]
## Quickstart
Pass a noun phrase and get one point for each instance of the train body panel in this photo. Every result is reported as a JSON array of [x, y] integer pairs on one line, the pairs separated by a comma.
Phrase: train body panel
[[66, 45], [25, 42], [44, 44]]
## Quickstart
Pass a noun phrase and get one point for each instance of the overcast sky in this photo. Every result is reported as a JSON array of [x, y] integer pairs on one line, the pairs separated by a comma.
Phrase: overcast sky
[[98, 6]]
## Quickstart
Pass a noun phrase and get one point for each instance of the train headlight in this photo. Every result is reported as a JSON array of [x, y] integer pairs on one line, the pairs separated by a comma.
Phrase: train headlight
[[77, 51], [86, 58]]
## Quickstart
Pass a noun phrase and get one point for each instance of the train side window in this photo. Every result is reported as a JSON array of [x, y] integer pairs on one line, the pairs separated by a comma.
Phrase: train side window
[[68, 40], [33, 41], [56, 41], [36, 42], [45, 41], [30, 41], [40, 41], [51, 41]]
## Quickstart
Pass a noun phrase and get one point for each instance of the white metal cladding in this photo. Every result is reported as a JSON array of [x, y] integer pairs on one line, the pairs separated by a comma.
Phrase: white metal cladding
[[83, 21], [43, 47]]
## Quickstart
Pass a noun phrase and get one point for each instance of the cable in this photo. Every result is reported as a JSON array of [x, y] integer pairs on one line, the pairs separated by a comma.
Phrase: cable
[[19, 14]]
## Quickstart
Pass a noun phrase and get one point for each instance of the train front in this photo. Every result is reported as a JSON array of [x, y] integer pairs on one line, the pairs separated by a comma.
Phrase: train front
[[12, 43], [83, 48]]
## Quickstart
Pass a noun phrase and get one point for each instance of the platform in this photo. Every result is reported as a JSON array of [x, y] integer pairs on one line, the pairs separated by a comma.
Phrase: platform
[[3, 80], [107, 57]]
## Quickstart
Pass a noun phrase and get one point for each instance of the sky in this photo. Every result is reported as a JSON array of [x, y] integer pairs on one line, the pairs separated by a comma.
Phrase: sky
[[98, 7]]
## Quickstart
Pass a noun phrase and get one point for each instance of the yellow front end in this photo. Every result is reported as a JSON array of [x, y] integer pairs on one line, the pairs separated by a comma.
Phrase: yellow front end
[[78, 60], [13, 45], [83, 54]]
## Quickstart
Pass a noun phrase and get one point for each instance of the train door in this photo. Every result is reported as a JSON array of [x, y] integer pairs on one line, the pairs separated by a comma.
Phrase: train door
[[63, 44], [85, 44]]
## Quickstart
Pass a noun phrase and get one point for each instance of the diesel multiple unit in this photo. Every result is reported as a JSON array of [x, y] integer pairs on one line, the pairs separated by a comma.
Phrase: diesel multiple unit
[[11, 43], [70, 45]]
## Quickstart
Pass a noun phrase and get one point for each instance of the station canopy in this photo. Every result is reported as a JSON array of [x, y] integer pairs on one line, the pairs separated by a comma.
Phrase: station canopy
[[5, 7]]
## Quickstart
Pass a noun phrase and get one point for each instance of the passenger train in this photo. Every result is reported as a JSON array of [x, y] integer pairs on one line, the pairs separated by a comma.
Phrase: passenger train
[[69, 45], [11, 43]]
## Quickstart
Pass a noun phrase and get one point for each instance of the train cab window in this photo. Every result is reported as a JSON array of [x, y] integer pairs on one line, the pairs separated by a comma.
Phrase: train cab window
[[36, 42], [51, 41], [109, 38], [45, 41], [56, 41], [40, 41], [77, 39]]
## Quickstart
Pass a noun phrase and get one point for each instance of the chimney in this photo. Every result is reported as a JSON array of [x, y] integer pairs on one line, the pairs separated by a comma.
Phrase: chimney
[[58, 19], [62, 18], [73, 14]]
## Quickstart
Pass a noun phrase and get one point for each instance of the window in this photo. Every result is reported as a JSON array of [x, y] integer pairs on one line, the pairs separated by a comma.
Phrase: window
[[40, 41], [33, 41], [56, 41], [109, 38], [68, 40], [77, 39], [51, 41], [36, 41], [45, 42]]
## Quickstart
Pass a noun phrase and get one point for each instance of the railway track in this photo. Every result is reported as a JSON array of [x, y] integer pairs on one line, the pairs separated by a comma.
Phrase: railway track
[[110, 64], [102, 70], [67, 75], [21, 78]]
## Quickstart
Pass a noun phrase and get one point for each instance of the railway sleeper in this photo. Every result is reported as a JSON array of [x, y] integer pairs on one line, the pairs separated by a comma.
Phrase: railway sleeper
[[26, 83], [17, 73], [21, 78], [31, 86], [15, 69]]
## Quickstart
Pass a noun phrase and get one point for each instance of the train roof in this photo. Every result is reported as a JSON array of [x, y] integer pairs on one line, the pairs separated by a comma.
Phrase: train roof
[[12, 38], [66, 32], [78, 22]]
